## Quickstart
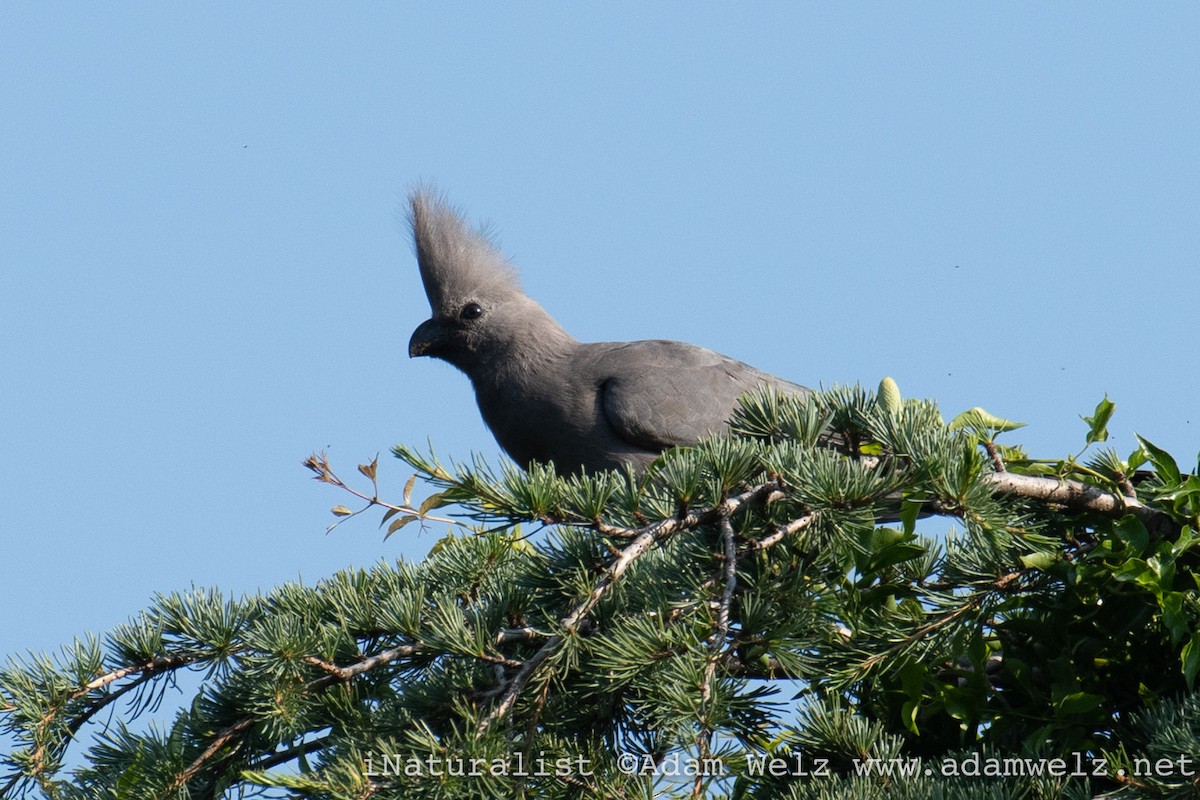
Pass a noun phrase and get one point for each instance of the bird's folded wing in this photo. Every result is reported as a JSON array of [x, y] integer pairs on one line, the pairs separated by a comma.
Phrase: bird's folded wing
[[659, 394]]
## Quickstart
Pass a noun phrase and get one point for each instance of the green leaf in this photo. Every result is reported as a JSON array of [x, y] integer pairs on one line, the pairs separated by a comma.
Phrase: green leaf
[[962, 704], [894, 554], [1163, 564], [1098, 422], [910, 510], [912, 680], [443, 543], [1187, 540], [1173, 615], [1133, 569], [1190, 657], [1041, 561], [1137, 458], [1186, 492], [908, 713], [1132, 532], [983, 423], [1079, 703], [1167, 469]]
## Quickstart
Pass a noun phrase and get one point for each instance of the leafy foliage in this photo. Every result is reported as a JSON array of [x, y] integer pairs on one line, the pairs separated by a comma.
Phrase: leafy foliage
[[783, 612]]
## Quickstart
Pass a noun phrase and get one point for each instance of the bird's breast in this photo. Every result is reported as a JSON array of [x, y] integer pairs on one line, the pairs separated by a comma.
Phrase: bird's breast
[[533, 420]]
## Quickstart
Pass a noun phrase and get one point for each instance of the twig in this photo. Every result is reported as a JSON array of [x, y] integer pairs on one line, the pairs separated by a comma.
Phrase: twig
[[343, 674], [223, 738], [782, 531], [1002, 584], [644, 540], [717, 644], [626, 557], [319, 464], [304, 748], [730, 575], [994, 452], [144, 672]]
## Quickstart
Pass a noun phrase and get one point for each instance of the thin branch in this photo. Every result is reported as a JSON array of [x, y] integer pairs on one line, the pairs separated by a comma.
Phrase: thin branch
[[282, 757], [920, 633], [343, 674], [783, 531], [730, 575], [223, 738], [626, 557], [144, 672], [153, 666], [508, 635], [319, 464], [642, 543], [335, 676], [1002, 584], [717, 644], [994, 453]]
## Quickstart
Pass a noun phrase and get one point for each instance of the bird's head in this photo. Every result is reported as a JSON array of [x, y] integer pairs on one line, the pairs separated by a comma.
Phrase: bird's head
[[480, 313]]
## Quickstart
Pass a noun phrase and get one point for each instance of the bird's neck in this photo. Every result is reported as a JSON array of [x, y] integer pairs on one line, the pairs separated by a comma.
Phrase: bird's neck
[[541, 357]]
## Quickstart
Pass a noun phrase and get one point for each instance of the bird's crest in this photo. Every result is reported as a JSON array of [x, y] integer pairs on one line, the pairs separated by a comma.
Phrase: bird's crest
[[458, 262]]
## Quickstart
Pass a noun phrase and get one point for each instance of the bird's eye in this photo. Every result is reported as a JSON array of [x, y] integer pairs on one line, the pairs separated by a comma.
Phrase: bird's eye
[[471, 311]]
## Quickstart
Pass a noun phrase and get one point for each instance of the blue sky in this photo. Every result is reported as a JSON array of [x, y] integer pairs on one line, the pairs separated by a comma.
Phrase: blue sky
[[204, 275]]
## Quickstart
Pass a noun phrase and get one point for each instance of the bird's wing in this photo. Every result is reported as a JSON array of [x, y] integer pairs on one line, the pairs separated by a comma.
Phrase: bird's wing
[[659, 394]]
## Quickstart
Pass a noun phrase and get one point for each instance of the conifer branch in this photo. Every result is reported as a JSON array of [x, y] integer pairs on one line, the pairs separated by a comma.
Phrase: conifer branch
[[970, 603], [283, 756], [953, 628], [223, 738], [335, 676], [730, 575], [785, 530], [994, 453], [344, 674], [634, 550], [144, 672], [717, 644], [1075, 495]]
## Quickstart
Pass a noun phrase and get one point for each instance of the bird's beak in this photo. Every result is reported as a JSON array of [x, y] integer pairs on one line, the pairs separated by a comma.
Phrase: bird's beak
[[424, 338]]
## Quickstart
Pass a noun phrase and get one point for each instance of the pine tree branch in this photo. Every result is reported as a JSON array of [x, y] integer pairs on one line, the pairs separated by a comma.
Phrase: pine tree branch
[[717, 644], [640, 545], [336, 675], [785, 530], [970, 603], [272, 760], [730, 575], [1077, 496], [994, 453], [144, 672], [344, 674], [223, 738]]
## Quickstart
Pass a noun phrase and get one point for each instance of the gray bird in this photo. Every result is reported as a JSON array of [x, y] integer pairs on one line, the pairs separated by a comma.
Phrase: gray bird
[[545, 396]]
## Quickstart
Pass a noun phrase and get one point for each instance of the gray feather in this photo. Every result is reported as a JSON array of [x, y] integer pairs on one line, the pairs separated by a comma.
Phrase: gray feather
[[544, 395], [455, 259]]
